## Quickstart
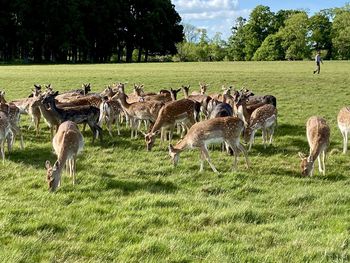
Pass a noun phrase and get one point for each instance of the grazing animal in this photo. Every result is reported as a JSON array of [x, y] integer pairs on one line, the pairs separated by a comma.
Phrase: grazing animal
[[4, 133], [264, 118], [344, 125], [80, 114], [317, 133], [67, 143], [225, 129]]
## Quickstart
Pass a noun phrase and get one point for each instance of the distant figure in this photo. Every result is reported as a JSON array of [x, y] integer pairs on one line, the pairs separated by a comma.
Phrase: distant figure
[[318, 60]]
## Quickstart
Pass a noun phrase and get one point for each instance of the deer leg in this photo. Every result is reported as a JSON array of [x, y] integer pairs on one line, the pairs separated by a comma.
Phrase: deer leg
[[37, 123], [201, 164], [74, 163], [272, 131], [117, 123], [2, 145], [345, 136], [323, 161], [251, 140], [205, 153], [264, 135], [245, 154], [319, 163]]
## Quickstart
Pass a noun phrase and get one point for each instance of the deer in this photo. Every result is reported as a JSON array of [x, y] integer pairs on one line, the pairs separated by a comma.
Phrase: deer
[[138, 111], [202, 99], [202, 89], [344, 125], [201, 134], [67, 143], [265, 118], [81, 114], [50, 117], [317, 133], [13, 114], [110, 111], [73, 94], [179, 111], [4, 133], [25, 107]]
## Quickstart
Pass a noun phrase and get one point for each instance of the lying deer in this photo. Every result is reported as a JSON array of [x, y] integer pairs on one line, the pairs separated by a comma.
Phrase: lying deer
[[317, 133], [225, 129], [344, 125], [67, 143]]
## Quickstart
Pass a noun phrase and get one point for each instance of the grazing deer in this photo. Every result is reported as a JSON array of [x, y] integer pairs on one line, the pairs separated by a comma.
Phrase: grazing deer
[[13, 114], [344, 125], [317, 133], [179, 111], [264, 118], [67, 143], [4, 133], [139, 111], [225, 129], [80, 114]]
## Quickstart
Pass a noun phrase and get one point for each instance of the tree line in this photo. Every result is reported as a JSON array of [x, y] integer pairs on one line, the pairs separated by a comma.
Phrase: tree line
[[265, 35], [88, 30]]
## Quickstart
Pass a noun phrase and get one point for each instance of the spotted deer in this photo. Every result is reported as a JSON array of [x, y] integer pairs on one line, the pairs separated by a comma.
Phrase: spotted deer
[[344, 125], [179, 111], [4, 133], [13, 114], [317, 133], [139, 111], [264, 118], [217, 130], [110, 111], [67, 143]]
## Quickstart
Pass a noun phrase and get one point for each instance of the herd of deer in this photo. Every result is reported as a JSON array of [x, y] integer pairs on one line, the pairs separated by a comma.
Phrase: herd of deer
[[200, 118]]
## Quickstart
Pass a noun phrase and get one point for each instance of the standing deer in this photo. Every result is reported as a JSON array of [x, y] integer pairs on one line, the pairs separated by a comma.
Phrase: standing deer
[[225, 129], [317, 133], [264, 118], [110, 111], [344, 125], [4, 133], [179, 111], [201, 98], [67, 143]]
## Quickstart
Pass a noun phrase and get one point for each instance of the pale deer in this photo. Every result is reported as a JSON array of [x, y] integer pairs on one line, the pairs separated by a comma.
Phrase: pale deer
[[4, 133], [110, 111], [13, 114], [217, 130], [344, 125], [67, 143], [264, 118], [202, 89], [317, 133], [179, 111]]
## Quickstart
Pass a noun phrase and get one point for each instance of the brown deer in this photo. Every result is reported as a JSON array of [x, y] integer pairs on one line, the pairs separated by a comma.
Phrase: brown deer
[[317, 133], [202, 99], [217, 130], [344, 125], [179, 111], [139, 111], [4, 133], [264, 118], [67, 143]]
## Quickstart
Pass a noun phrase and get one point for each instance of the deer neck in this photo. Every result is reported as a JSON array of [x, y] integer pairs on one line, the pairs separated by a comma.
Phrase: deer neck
[[54, 108], [123, 102], [245, 112], [186, 93], [181, 145], [314, 153]]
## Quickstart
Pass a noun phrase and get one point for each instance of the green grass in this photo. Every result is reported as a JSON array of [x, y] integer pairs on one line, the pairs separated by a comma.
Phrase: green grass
[[130, 205]]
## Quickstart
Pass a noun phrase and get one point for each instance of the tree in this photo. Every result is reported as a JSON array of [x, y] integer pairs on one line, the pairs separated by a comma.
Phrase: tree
[[270, 49], [294, 37], [320, 28], [341, 34], [237, 40]]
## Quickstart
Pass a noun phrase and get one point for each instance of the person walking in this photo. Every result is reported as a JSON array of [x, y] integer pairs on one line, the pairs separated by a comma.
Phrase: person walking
[[318, 61]]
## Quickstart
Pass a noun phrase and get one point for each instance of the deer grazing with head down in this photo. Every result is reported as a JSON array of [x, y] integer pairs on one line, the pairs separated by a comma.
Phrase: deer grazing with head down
[[224, 129], [344, 125], [67, 143], [317, 133]]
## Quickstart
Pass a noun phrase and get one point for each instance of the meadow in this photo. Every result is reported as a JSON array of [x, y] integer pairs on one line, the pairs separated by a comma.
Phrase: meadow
[[130, 205]]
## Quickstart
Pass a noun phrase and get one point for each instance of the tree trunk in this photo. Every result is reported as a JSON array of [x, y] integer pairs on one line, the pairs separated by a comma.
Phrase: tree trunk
[[139, 57], [146, 55], [129, 51]]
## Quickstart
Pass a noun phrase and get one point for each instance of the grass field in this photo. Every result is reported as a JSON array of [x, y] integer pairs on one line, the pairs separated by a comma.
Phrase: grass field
[[130, 205]]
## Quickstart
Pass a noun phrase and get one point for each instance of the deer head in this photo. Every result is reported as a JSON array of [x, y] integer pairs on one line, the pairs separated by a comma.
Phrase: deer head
[[306, 164], [52, 175], [174, 154], [150, 138]]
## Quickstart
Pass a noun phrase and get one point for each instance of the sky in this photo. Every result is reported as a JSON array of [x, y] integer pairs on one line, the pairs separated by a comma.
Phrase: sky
[[219, 15]]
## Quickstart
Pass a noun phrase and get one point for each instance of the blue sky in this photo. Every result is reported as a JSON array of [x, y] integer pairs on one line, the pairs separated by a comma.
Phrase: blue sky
[[219, 15]]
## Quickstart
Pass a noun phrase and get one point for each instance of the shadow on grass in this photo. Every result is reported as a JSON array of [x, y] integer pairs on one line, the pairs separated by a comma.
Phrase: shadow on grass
[[130, 186], [33, 157], [286, 129]]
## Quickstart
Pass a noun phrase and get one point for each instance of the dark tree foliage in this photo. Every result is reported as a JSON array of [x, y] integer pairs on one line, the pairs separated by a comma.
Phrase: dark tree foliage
[[87, 30]]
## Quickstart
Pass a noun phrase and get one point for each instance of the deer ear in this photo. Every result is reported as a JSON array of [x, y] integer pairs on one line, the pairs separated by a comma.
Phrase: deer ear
[[301, 155], [47, 165], [178, 90]]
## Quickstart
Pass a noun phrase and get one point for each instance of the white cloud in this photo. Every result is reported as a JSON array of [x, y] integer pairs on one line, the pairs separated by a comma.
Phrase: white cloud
[[199, 6]]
